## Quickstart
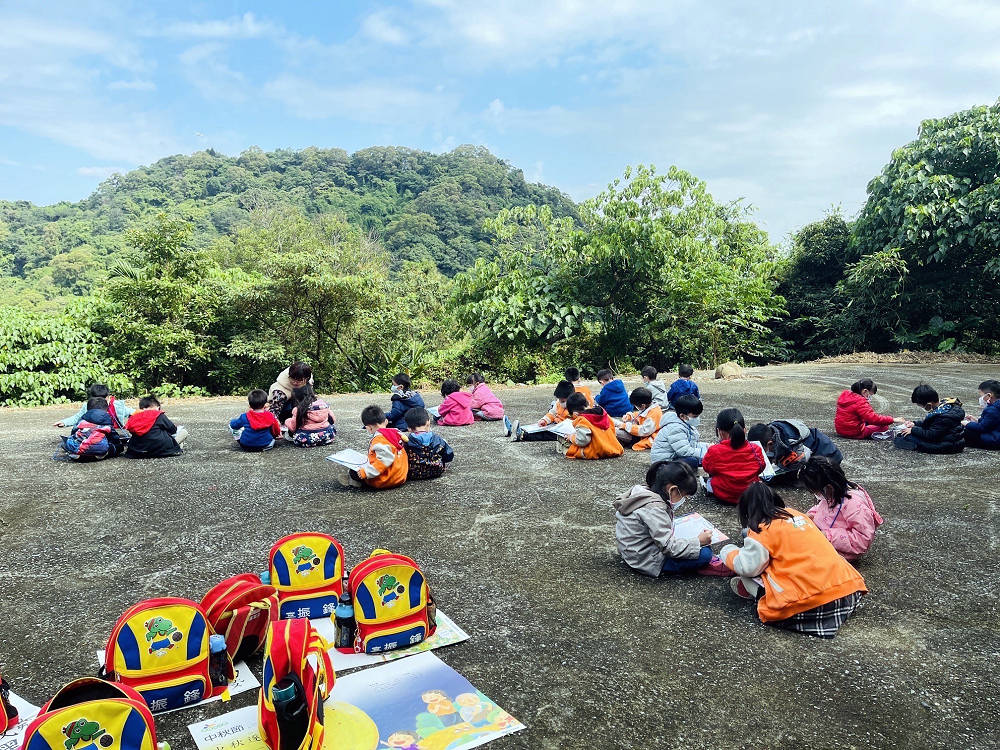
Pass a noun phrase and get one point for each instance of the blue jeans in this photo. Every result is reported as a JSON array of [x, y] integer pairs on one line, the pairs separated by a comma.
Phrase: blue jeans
[[690, 461], [672, 565]]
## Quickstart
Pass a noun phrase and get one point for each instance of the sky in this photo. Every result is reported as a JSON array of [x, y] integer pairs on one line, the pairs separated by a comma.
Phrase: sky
[[792, 106]]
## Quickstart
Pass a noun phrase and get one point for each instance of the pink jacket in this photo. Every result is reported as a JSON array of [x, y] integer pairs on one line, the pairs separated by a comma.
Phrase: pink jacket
[[319, 417], [485, 401], [455, 411], [850, 526]]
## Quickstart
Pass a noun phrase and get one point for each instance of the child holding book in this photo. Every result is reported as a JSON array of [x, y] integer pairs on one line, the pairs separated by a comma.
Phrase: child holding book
[[455, 410], [557, 413], [403, 398], [613, 398], [153, 435], [733, 464], [638, 428], [844, 512], [256, 429], [941, 431], [593, 431], [677, 439], [484, 404], [312, 422], [427, 453], [683, 385], [855, 416], [118, 410], [388, 465]]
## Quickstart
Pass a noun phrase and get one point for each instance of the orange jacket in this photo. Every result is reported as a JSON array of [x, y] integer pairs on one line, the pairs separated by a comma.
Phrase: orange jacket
[[387, 465], [643, 424], [594, 438], [586, 392], [557, 412], [799, 567]]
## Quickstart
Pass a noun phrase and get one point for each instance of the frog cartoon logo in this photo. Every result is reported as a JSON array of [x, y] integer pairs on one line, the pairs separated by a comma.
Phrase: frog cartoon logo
[[304, 559], [389, 589], [162, 635], [84, 730]]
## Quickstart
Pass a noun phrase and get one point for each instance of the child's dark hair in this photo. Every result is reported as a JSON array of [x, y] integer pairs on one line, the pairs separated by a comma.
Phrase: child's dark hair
[[474, 378], [401, 378], [147, 401], [373, 415], [302, 399], [564, 389], [640, 398], [418, 416], [576, 403], [685, 371], [759, 504], [97, 402], [991, 386], [819, 473], [571, 374], [300, 371], [924, 394], [257, 398], [448, 387], [762, 433], [865, 385], [98, 390], [662, 474], [605, 375], [648, 372], [731, 421], [688, 404]]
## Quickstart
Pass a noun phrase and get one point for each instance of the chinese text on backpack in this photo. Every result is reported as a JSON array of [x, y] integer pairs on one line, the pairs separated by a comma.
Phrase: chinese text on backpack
[[290, 705], [307, 570], [240, 608], [160, 647], [91, 714], [393, 607], [8, 713]]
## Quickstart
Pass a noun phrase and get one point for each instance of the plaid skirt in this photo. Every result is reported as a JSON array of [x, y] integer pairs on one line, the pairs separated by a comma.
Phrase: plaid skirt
[[823, 621]]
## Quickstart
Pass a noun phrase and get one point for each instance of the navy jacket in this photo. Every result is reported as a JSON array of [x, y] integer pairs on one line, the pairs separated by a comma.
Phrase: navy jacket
[[156, 441], [941, 430], [680, 387], [614, 399], [986, 432], [402, 403]]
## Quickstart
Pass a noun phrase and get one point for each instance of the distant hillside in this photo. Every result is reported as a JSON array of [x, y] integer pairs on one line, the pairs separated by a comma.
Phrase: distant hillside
[[424, 205]]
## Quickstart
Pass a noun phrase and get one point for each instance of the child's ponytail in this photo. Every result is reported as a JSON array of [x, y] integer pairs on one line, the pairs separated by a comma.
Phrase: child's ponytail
[[731, 421], [865, 385], [737, 438]]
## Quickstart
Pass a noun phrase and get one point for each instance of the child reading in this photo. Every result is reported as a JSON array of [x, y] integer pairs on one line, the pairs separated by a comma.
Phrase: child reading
[[984, 432], [485, 405], [403, 398], [683, 385], [677, 439], [613, 398], [256, 429], [644, 525], [557, 413], [789, 443], [572, 374], [426, 452], [655, 386], [119, 410], [312, 422], [387, 465], [805, 585], [455, 410], [594, 432], [941, 431], [855, 417], [732, 464], [638, 428], [153, 434], [844, 512]]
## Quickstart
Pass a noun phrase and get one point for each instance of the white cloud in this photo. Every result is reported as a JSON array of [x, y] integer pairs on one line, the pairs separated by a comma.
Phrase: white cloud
[[101, 172], [205, 68], [380, 27], [244, 27], [132, 86]]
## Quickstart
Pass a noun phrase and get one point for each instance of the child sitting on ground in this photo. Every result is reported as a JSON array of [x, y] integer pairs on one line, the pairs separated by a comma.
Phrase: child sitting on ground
[[119, 410], [572, 374], [312, 422], [804, 584], [844, 512], [613, 398], [403, 398], [427, 453], [557, 413], [855, 417], [638, 428], [789, 443], [94, 435], [984, 432], [677, 439], [657, 387], [594, 432], [153, 435], [941, 431], [485, 405], [644, 525], [733, 464], [256, 429], [387, 465], [454, 411], [683, 385]]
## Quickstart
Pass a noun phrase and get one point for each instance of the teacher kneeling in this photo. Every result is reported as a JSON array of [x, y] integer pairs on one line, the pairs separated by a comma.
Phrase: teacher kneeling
[[280, 394]]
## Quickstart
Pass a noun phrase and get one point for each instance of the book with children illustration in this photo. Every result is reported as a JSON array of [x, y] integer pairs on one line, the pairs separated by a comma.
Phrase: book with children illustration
[[349, 458], [768, 473]]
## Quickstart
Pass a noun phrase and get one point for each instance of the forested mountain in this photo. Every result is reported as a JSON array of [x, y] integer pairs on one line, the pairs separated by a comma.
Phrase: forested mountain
[[424, 206]]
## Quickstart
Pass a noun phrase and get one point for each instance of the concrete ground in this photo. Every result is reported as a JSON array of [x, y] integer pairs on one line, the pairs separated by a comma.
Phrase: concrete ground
[[518, 544]]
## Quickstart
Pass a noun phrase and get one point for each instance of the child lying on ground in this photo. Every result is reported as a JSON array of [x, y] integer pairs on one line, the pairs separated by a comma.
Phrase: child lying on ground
[[312, 422], [789, 443], [557, 413], [387, 465], [941, 431], [677, 439], [256, 429], [427, 453], [855, 416], [94, 436], [485, 405], [844, 512], [153, 435], [638, 428], [594, 432], [804, 585], [455, 410], [119, 410], [733, 464], [613, 398], [984, 432], [644, 525]]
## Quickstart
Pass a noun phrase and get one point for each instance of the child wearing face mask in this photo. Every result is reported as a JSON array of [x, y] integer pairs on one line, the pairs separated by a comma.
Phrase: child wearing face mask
[[855, 416], [644, 525], [403, 399], [844, 512], [984, 431], [677, 438], [941, 431]]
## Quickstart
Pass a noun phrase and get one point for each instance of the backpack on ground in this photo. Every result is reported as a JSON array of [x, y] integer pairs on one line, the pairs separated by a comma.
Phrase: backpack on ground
[[393, 606], [298, 676], [160, 647], [307, 570], [8, 713], [790, 451], [240, 608], [91, 714]]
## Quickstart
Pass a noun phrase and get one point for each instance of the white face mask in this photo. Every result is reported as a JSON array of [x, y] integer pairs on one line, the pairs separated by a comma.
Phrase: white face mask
[[395, 388], [982, 402]]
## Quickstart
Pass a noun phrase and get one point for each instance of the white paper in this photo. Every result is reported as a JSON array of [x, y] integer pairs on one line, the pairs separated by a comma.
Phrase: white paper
[[564, 428], [434, 411], [236, 729], [13, 737], [691, 525], [768, 472], [349, 458]]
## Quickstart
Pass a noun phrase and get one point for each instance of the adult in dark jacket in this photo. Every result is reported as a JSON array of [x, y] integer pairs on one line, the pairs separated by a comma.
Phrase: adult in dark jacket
[[984, 432], [790, 443], [153, 434], [403, 399], [613, 397], [940, 431]]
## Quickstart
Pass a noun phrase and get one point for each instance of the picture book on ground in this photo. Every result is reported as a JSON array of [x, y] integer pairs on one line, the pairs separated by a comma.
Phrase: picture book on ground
[[564, 428], [689, 526], [349, 458]]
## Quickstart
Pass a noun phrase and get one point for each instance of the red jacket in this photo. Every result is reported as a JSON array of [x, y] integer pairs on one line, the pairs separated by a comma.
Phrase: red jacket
[[732, 471], [853, 413]]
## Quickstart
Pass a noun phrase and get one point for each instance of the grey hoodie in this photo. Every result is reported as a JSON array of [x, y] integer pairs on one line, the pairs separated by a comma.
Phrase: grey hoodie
[[645, 531], [659, 391]]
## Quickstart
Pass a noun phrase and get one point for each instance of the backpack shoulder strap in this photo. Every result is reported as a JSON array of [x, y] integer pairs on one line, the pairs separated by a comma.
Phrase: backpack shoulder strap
[[8, 712]]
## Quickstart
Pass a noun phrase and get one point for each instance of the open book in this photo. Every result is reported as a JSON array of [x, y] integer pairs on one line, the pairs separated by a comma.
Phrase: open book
[[349, 458], [768, 472], [564, 428], [691, 525]]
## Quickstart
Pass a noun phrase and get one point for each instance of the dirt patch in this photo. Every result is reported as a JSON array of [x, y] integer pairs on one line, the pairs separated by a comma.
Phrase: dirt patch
[[907, 357]]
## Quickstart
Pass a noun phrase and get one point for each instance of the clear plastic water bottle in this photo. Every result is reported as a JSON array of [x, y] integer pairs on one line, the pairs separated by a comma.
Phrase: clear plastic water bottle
[[217, 661], [265, 577]]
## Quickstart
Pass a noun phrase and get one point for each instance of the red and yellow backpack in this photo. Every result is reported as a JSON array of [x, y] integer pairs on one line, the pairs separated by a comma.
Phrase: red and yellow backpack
[[240, 608], [8, 712], [307, 570], [393, 606]]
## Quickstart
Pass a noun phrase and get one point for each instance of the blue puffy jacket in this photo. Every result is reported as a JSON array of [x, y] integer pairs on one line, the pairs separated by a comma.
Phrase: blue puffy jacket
[[402, 403], [681, 387], [986, 432], [614, 399]]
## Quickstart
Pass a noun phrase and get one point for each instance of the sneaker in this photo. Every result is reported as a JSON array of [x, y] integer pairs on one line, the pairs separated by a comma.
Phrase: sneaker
[[736, 584], [715, 567], [344, 477], [884, 435], [508, 426], [516, 433]]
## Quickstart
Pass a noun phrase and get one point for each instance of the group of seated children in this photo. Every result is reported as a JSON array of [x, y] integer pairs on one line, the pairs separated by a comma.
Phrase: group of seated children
[[459, 407], [309, 421]]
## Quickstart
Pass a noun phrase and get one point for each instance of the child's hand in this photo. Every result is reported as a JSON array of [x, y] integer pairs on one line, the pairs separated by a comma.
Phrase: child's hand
[[905, 430], [58, 424], [542, 422], [705, 538], [972, 419]]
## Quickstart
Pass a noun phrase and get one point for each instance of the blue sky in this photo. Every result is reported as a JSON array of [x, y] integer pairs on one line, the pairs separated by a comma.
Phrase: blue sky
[[794, 106]]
